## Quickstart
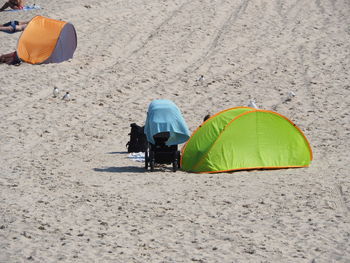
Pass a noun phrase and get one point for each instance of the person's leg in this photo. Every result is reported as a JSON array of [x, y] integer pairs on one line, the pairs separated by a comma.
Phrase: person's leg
[[6, 5], [23, 22], [8, 29]]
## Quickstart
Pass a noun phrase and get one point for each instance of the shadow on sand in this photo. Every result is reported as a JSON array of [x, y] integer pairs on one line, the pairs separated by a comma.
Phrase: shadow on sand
[[125, 169], [117, 152]]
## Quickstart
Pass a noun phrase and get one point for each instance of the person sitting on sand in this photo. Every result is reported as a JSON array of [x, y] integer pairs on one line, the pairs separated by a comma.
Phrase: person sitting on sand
[[206, 117], [13, 4], [10, 59], [13, 26]]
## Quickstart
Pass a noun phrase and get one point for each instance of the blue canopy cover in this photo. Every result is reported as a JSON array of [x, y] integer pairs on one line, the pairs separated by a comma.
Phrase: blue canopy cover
[[165, 116]]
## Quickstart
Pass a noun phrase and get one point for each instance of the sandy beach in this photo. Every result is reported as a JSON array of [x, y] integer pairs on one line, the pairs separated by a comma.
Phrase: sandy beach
[[70, 193]]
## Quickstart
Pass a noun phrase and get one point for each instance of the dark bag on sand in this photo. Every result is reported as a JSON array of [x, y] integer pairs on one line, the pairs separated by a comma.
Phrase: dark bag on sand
[[138, 140]]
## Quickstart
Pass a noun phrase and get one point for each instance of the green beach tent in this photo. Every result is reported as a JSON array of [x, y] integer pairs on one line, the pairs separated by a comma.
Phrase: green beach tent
[[245, 138]]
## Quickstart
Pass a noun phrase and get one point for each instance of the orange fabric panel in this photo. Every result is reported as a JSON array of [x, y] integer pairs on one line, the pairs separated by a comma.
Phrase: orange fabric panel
[[39, 39]]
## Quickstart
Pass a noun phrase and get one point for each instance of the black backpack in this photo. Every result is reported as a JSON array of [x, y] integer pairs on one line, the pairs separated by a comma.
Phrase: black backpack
[[138, 141]]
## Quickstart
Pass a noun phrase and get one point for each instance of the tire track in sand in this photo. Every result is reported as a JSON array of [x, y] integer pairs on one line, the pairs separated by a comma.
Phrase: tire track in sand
[[234, 15], [159, 27]]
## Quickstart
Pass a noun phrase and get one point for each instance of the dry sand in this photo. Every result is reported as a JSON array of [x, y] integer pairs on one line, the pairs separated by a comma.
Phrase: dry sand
[[70, 193]]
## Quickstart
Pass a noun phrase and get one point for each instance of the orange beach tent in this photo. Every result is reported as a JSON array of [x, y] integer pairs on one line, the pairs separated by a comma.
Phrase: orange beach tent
[[47, 40]]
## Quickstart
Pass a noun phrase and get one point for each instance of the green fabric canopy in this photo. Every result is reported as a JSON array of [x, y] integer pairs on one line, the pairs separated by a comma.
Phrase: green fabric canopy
[[245, 138]]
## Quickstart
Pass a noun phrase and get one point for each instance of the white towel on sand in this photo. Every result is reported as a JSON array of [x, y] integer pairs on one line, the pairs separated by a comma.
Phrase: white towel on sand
[[137, 157]]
